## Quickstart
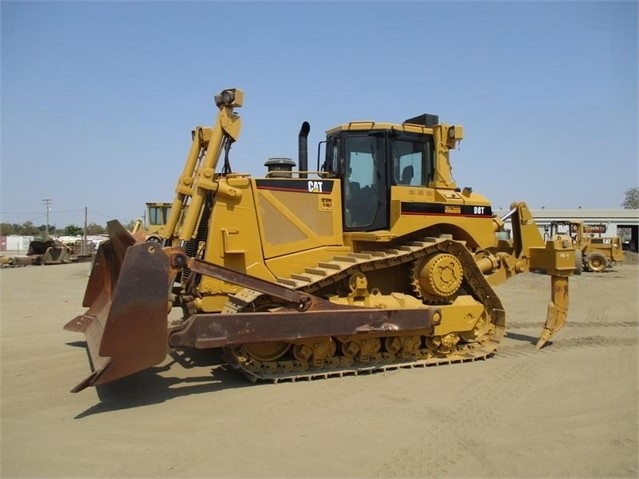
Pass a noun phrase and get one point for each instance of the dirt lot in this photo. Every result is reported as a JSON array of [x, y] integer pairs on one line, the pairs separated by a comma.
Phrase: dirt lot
[[569, 410]]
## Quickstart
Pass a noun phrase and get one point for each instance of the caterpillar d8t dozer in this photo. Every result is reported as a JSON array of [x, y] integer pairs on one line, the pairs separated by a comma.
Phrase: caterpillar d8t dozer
[[374, 260]]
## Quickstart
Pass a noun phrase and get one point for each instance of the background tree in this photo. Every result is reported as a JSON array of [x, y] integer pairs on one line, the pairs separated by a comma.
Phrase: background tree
[[29, 229], [72, 230], [95, 229], [6, 229], [631, 198], [42, 231]]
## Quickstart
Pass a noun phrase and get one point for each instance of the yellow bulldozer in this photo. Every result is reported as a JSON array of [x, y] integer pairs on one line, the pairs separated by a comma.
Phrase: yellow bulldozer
[[373, 260]]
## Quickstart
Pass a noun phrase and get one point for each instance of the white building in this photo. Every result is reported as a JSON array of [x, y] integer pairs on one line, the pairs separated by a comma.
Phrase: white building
[[15, 243]]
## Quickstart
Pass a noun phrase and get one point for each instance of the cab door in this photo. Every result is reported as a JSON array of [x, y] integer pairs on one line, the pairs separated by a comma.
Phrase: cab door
[[365, 180]]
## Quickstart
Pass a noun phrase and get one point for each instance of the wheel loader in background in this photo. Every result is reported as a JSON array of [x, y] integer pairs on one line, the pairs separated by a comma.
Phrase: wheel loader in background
[[153, 223], [374, 260], [592, 253]]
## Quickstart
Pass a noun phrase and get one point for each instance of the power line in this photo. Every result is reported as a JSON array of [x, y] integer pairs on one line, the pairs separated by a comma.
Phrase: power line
[[37, 212], [20, 212], [33, 217]]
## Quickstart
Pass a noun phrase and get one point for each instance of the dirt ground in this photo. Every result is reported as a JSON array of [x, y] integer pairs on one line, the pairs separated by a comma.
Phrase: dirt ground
[[569, 410]]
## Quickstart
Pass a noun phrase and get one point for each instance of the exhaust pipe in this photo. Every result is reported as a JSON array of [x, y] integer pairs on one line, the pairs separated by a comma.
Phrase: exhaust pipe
[[302, 148]]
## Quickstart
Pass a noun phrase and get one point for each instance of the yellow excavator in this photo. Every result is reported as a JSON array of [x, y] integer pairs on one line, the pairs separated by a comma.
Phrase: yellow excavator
[[374, 260]]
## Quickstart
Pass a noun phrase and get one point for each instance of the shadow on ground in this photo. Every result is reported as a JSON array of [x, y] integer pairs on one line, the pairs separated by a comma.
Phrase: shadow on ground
[[525, 338], [176, 378], [152, 386]]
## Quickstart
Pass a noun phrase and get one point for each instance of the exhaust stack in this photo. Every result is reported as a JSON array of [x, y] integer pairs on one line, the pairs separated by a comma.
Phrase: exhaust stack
[[302, 148]]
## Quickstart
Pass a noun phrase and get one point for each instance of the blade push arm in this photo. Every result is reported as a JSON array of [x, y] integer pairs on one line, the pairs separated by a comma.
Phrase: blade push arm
[[199, 170]]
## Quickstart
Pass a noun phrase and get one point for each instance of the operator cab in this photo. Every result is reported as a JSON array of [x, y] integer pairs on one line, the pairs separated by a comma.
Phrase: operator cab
[[370, 158]]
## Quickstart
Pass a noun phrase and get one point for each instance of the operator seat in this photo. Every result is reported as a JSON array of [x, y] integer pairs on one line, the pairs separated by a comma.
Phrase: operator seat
[[407, 175]]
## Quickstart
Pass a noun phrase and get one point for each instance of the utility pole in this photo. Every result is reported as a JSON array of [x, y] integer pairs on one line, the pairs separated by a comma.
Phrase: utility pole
[[85, 248], [47, 202]]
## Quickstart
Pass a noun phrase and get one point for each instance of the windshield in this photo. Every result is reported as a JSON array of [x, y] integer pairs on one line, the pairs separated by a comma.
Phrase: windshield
[[158, 214]]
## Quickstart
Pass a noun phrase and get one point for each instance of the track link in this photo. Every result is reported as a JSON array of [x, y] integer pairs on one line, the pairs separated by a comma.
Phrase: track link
[[258, 372]]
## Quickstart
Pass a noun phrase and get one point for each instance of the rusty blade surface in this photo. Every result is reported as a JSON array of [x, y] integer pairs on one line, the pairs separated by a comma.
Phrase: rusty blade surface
[[127, 296], [108, 262], [302, 300], [306, 316], [203, 331], [91, 326]]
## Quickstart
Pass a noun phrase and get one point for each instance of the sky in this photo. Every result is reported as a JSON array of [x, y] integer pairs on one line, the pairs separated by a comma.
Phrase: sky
[[98, 99]]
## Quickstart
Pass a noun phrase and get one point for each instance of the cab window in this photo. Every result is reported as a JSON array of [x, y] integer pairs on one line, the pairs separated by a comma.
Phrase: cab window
[[412, 162]]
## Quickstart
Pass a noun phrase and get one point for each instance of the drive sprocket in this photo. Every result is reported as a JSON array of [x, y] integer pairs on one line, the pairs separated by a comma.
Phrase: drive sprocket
[[437, 278]]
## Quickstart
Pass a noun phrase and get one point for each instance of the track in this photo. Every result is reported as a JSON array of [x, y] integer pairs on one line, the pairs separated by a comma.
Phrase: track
[[277, 362]]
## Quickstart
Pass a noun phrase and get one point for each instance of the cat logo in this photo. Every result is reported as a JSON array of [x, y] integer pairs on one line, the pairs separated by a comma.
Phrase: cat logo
[[453, 210], [315, 186]]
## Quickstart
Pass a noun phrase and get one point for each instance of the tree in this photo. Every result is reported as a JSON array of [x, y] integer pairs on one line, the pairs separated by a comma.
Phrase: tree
[[29, 229], [42, 230], [631, 198], [6, 229], [72, 230], [95, 229]]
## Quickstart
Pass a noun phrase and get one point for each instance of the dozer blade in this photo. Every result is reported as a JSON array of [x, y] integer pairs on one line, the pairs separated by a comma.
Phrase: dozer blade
[[557, 309], [127, 295]]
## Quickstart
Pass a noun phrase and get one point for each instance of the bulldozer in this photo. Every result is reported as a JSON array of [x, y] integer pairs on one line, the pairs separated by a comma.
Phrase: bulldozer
[[373, 260], [593, 252]]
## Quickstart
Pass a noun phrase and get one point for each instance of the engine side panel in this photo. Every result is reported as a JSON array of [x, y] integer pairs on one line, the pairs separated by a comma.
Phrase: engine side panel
[[297, 214]]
